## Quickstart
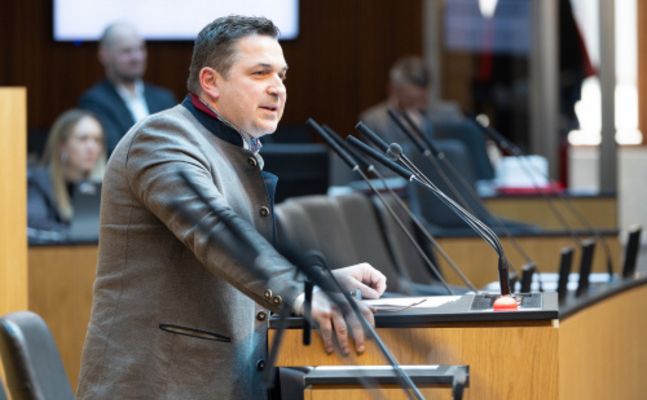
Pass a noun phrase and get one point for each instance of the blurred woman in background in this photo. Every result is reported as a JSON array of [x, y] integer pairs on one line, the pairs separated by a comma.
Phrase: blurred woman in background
[[75, 152]]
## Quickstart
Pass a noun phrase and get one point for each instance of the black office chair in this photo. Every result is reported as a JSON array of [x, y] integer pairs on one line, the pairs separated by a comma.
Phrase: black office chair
[[403, 251], [322, 223], [472, 138], [32, 363]]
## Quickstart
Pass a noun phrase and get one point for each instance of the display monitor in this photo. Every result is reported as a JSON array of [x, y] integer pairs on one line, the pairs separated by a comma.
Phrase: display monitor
[[83, 20]]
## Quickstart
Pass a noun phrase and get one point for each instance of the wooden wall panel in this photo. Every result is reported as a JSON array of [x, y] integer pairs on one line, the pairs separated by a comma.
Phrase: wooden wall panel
[[13, 201], [338, 65]]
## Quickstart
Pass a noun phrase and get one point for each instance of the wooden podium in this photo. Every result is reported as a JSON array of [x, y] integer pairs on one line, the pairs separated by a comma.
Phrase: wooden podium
[[510, 355], [603, 345], [13, 200], [594, 350]]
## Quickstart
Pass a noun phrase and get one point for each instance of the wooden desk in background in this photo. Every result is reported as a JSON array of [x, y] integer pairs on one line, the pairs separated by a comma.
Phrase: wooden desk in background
[[595, 351], [600, 210], [60, 291], [478, 261]]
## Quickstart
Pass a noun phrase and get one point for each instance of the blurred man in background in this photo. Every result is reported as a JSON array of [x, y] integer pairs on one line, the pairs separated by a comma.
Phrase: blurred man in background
[[408, 89], [123, 98]]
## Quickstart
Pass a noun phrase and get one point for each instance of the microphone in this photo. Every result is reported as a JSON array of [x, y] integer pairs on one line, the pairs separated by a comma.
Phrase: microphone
[[355, 167], [403, 379], [433, 154], [480, 228], [331, 287], [516, 151], [370, 168]]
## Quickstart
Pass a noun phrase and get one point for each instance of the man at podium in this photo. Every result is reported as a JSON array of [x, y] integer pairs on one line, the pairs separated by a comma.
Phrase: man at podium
[[175, 315]]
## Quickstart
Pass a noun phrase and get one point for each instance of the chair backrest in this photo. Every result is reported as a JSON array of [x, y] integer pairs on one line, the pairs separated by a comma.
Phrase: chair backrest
[[404, 252], [472, 137], [294, 229], [367, 238], [344, 229], [31, 359], [427, 205], [331, 236]]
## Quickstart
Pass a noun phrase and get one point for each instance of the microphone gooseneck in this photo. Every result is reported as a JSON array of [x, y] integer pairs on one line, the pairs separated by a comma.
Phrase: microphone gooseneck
[[355, 167], [434, 155], [370, 168], [485, 232], [515, 150]]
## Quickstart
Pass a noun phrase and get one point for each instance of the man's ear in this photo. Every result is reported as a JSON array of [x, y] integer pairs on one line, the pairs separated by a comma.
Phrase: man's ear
[[209, 81], [102, 55]]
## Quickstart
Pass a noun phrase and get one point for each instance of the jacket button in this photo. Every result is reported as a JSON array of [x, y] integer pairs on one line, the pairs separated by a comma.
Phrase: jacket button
[[268, 294], [260, 365], [265, 211], [261, 316], [252, 161], [277, 300]]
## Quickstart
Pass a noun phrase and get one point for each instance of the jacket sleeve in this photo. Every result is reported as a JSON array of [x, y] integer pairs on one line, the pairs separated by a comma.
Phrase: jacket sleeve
[[152, 167]]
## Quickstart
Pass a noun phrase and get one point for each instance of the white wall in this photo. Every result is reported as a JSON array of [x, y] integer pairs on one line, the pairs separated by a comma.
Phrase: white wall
[[632, 181]]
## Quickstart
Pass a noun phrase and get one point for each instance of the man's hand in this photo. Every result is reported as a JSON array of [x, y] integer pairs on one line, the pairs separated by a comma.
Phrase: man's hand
[[362, 276], [329, 317]]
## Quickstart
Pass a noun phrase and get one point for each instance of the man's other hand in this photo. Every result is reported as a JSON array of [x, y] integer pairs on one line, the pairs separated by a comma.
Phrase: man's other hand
[[329, 317], [364, 277]]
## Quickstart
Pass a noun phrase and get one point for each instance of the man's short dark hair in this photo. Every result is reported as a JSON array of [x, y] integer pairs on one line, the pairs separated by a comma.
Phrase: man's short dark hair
[[410, 69], [215, 46]]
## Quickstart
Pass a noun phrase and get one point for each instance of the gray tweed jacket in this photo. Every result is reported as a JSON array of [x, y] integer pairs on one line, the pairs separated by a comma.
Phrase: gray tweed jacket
[[175, 315]]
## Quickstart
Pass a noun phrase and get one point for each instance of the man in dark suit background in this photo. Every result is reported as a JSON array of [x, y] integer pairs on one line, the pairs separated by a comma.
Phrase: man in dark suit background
[[123, 98]]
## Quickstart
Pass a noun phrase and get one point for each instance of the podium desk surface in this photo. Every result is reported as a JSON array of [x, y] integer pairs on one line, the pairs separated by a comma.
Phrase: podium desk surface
[[598, 293], [469, 308]]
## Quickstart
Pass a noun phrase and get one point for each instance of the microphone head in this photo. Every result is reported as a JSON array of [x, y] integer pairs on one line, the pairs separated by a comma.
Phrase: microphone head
[[394, 152], [392, 155], [396, 148]]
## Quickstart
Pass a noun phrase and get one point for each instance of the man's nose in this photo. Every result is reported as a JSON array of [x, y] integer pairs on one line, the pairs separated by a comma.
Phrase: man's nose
[[277, 87]]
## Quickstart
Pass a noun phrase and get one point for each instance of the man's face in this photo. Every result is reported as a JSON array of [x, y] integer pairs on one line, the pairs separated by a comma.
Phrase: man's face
[[253, 95], [124, 57], [410, 97]]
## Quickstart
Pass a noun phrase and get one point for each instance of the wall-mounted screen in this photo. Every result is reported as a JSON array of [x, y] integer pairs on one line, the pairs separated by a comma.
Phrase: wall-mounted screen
[[81, 20]]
